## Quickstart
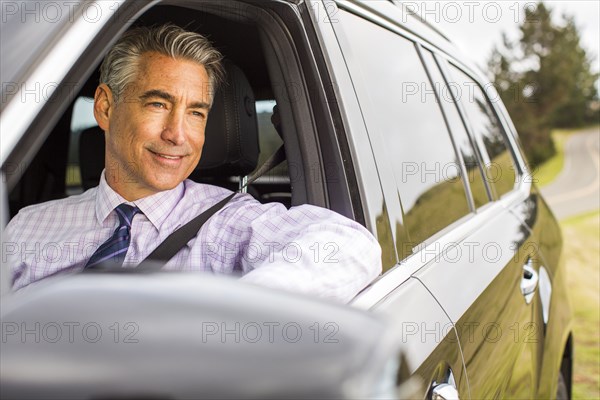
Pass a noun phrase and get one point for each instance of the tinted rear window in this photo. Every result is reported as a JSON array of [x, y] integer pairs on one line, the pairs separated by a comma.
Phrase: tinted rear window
[[500, 167], [406, 113]]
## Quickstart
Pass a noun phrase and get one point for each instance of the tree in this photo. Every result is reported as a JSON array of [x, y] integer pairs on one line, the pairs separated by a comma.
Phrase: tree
[[576, 111], [545, 80]]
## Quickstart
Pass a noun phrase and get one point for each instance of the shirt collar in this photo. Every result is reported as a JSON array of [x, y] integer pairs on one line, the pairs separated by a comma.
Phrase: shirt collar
[[156, 207]]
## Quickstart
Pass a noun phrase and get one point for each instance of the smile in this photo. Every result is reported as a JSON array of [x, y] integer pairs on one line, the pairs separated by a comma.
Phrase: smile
[[167, 156]]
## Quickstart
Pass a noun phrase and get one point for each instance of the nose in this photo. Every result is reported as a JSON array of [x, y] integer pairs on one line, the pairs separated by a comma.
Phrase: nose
[[173, 130]]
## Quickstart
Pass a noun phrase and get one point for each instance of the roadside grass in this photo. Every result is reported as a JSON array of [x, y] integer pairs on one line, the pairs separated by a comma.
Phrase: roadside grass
[[582, 249], [548, 171]]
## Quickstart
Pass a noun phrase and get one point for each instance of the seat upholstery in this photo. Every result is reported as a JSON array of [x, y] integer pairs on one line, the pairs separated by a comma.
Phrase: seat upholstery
[[231, 138], [91, 156]]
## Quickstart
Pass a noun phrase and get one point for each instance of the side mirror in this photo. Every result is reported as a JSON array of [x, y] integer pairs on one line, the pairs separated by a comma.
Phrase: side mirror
[[172, 335]]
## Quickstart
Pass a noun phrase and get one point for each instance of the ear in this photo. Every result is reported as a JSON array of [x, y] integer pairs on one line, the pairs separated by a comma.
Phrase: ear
[[103, 106]]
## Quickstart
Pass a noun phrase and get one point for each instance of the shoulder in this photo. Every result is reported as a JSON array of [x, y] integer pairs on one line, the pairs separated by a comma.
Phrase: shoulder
[[82, 199], [38, 213], [203, 195]]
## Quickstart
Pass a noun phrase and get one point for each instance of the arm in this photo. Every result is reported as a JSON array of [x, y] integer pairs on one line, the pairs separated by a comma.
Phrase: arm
[[306, 249]]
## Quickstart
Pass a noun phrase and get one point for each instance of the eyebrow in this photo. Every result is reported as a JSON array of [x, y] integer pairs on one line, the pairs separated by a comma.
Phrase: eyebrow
[[170, 98]]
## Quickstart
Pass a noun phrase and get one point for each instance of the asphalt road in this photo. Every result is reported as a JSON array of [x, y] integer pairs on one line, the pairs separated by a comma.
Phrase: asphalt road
[[577, 188]]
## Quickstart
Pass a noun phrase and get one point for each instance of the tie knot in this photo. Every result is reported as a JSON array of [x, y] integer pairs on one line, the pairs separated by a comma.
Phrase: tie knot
[[126, 213]]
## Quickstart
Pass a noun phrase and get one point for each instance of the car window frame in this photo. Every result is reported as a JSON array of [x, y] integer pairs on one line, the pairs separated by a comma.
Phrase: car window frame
[[507, 134], [43, 116], [319, 182], [441, 60]]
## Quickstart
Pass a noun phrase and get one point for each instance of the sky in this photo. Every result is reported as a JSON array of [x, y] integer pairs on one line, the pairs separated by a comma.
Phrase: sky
[[476, 26]]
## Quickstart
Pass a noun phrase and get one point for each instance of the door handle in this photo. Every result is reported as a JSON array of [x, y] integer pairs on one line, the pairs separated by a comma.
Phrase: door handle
[[444, 391], [529, 281]]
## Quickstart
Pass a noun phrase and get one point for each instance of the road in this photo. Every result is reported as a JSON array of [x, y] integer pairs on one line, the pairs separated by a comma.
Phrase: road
[[577, 188]]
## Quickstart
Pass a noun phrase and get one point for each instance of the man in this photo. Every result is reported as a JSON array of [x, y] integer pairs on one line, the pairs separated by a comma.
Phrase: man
[[153, 101]]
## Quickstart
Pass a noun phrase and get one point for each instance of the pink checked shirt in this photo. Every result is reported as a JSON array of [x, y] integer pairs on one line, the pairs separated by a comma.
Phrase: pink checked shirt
[[305, 249]]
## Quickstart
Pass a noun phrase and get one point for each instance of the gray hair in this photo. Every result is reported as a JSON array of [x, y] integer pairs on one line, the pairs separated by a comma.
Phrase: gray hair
[[121, 64]]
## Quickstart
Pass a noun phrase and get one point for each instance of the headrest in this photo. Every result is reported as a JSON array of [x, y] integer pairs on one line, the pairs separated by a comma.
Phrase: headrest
[[231, 143], [91, 156]]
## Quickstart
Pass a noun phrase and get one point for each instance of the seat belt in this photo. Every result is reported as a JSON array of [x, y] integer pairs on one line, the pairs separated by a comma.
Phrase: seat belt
[[276, 158], [176, 240]]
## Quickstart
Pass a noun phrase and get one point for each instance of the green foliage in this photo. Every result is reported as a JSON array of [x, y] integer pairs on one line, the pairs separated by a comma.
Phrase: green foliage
[[545, 80]]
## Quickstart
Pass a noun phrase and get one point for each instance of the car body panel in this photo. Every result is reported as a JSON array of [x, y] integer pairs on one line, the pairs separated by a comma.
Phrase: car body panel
[[478, 284], [547, 239], [431, 345]]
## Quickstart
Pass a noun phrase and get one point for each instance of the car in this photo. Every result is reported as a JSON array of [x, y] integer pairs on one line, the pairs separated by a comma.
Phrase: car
[[382, 120]]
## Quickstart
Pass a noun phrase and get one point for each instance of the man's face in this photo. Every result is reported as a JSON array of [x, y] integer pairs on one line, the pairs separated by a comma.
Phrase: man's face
[[155, 133]]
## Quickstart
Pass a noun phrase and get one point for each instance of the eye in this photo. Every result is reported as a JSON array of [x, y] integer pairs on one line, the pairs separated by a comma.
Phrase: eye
[[157, 104], [198, 114]]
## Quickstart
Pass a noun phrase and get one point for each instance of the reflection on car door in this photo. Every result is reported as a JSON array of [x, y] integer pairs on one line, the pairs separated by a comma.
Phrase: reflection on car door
[[431, 343], [478, 282], [487, 282], [433, 351]]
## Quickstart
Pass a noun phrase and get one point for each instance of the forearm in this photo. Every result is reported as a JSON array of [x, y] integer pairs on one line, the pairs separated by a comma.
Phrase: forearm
[[329, 256]]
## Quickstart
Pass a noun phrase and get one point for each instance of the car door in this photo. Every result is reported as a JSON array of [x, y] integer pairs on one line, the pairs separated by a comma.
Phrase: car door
[[478, 282], [430, 342], [433, 351], [489, 279]]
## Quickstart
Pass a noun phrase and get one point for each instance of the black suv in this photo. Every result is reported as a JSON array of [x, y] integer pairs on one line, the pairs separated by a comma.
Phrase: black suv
[[384, 121]]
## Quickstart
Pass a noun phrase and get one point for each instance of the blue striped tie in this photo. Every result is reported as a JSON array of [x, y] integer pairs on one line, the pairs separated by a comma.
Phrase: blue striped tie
[[115, 248]]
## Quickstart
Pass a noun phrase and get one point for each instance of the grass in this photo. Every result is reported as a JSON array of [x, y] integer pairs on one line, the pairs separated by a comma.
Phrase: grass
[[582, 249], [548, 171]]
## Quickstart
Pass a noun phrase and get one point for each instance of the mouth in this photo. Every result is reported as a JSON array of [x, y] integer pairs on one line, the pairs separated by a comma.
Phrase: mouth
[[168, 156]]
